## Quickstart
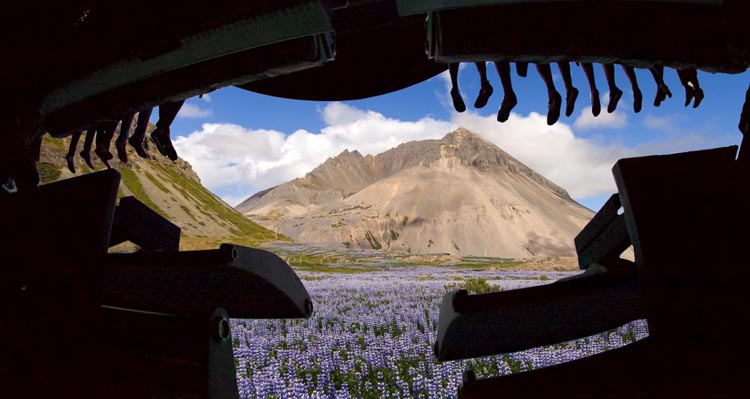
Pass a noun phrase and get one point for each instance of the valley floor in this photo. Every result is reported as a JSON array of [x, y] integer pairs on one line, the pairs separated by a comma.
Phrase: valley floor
[[316, 259]]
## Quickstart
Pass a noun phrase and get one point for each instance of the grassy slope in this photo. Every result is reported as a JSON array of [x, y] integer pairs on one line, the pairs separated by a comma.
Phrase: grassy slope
[[169, 189], [243, 231]]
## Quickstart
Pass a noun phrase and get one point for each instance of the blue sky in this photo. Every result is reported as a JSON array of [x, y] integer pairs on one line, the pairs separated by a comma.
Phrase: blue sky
[[241, 142]]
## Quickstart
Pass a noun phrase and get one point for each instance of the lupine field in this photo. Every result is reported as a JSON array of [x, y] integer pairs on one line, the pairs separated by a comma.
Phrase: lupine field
[[371, 336]]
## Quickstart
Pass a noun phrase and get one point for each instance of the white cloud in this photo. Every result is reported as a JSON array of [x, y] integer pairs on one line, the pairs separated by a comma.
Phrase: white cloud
[[232, 159], [189, 110], [586, 120], [235, 162], [581, 166], [444, 96], [445, 76], [663, 123], [206, 97], [337, 113]]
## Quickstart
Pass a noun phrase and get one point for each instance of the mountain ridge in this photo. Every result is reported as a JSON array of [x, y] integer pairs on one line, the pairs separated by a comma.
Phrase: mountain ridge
[[385, 164]]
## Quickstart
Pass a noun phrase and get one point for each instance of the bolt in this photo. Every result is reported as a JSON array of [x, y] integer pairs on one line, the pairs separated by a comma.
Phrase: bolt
[[468, 376], [459, 296], [308, 307], [222, 331]]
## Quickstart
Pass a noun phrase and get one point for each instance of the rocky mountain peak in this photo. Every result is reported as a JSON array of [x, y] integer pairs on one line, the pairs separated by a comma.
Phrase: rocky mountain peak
[[475, 151], [350, 171], [458, 135], [459, 194]]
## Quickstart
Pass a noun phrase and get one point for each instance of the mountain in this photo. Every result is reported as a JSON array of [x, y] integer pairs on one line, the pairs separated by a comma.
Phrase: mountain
[[460, 194], [170, 188]]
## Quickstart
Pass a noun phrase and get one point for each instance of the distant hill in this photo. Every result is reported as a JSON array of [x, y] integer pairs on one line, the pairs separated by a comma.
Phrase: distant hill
[[170, 188], [460, 195]]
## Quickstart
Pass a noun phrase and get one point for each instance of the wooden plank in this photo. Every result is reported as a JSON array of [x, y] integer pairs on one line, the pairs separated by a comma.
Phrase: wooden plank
[[67, 218], [53, 241], [599, 222], [139, 224], [247, 282], [687, 215], [301, 20], [412, 7], [145, 355], [377, 52], [235, 69], [556, 31], [611, 242], [509, 321]]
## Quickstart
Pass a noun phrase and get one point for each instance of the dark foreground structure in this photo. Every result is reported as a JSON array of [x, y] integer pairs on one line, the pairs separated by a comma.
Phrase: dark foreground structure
[[79, 322]]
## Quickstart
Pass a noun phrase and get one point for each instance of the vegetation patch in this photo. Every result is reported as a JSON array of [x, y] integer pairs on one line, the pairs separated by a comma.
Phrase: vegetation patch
[[475, 285], [130, 180], [497, 264], [187, 210], [156, 182], [335, 269], [347, 209], [372, 240], [325, 264], [48, 172], [57, 144]]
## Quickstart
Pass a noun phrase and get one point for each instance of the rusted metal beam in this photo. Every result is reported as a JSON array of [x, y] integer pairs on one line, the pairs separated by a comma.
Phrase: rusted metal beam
[[247, 282], [510, 321], [605, 237], [300, 20], [141, 225], [148, 355], [706, 36], [619, 373]]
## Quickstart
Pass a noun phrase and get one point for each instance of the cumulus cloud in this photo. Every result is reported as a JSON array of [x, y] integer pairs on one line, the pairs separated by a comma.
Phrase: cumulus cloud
[[190, 110], [664, 123], [235, 162], [581, 166], [586, 120], [444, 96]]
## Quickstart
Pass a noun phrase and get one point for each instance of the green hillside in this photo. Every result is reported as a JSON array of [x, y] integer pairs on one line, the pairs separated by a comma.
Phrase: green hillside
[[170, 188]]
